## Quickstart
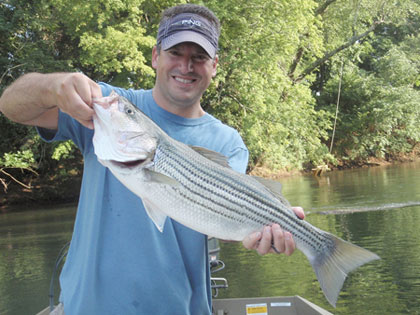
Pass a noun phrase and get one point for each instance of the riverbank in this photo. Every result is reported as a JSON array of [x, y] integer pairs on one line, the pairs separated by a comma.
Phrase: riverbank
[[45, 191], [41, 192], [265, 172]]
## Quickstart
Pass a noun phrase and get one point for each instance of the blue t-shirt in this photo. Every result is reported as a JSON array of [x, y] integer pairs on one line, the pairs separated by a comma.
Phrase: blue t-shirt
[[118, 262]]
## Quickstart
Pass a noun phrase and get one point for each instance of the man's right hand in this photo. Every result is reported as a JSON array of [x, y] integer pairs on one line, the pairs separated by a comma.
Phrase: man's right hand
[[74, 94], [34, 99]]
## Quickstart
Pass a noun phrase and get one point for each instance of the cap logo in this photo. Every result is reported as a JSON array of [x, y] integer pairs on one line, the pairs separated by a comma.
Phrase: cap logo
[[191, 22]]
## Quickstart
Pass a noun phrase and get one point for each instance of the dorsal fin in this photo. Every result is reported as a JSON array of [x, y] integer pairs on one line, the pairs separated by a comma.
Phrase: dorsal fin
[[212, 155], [274, 187]]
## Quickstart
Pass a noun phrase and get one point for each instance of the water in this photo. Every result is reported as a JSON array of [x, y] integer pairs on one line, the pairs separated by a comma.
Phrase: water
[[30, 241], [377, 208]]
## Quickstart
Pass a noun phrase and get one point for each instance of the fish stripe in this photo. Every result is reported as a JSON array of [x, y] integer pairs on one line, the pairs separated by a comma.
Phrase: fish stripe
[[199, 182]]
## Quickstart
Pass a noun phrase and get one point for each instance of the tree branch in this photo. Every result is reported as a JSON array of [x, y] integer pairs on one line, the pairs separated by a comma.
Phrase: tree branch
[[3, 182], [295, 62], [299, 54], [329, 54], [322, 8], [8, 70]]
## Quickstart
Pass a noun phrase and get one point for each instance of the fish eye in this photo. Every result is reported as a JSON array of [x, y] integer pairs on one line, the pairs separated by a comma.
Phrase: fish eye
[[129, 111]]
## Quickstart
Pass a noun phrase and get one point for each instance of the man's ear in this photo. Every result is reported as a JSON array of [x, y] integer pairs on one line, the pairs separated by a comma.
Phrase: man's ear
[[215, 62], [155, 57]]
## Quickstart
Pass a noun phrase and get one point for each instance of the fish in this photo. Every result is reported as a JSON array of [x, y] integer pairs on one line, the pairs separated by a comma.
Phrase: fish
[[196, 187]]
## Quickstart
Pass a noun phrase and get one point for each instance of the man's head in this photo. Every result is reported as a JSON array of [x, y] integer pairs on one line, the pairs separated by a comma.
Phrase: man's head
[[189, 23], [185, 58]]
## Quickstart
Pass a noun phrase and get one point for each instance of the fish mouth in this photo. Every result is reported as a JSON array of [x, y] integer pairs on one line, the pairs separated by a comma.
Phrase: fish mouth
[[128, 164]]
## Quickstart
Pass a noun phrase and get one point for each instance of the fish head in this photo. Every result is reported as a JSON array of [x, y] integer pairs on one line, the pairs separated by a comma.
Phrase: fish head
[[124, 136]]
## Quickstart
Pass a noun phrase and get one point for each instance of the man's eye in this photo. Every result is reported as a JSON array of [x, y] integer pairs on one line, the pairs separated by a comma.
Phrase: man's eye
[[174, 53], [201, 58]]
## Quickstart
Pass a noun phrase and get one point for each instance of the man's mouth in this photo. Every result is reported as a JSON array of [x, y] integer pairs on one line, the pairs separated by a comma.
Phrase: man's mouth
[[185, 81]]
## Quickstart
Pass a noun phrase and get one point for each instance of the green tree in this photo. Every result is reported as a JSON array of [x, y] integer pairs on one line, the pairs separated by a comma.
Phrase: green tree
[[277, 80], [378, 114]]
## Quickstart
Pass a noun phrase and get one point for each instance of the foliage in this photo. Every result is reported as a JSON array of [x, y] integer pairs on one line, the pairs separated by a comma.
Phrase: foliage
[[253, 91], [378, 112], [19, 159], [278, 75]]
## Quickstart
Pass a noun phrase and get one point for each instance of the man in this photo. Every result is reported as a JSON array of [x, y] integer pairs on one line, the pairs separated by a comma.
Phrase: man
[[118, 262]]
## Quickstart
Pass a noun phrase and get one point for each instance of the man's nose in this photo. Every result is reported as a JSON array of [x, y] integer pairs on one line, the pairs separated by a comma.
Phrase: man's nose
[[187, 64]]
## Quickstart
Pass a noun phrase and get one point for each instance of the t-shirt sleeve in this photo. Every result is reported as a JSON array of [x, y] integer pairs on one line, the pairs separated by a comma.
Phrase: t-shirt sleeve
[[68, 129], [238, 155], [238, 160]]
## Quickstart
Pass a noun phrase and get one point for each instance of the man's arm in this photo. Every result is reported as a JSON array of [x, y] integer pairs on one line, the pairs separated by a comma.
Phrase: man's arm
[[34, 99]]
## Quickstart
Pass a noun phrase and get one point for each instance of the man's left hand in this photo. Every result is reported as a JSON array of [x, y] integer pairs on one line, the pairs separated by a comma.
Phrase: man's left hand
[[273, 239]]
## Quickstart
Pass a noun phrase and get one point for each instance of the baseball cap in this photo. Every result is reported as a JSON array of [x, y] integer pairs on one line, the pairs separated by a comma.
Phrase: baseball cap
[[188, 27]]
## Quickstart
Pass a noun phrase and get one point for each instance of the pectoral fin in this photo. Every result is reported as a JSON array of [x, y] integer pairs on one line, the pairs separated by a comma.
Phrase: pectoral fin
[[154, 213], [159, 178]]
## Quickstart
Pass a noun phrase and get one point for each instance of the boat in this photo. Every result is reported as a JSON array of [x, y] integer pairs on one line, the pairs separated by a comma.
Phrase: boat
[[45, 311], [278, 305]]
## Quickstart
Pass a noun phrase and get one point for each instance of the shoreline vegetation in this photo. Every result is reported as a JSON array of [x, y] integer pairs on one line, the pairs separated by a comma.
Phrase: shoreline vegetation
[[46, 191], [308, 84]]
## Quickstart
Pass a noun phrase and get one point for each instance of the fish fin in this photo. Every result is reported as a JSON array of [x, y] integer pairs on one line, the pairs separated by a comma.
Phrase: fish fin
[[212, 155], [157, 216], [159, 178], [332, 265], [274, 187]]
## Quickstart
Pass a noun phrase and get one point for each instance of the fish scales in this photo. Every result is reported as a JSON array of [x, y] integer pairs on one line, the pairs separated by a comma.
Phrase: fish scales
[[257, 206], [191, 186], [196, 184]]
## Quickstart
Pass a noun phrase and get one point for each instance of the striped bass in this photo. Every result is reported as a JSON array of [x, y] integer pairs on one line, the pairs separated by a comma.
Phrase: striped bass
[[195, 187]]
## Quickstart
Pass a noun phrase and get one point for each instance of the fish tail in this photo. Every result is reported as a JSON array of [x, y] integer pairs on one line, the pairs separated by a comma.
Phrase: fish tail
[[334, 263]]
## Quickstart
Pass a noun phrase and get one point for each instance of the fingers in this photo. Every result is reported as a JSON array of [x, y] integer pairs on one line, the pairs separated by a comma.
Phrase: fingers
[[272, 239], [264, 246], [282, 241], [278, 238], [252, 240], [299, 212], [75, 93], [262, 242], [87, 89]]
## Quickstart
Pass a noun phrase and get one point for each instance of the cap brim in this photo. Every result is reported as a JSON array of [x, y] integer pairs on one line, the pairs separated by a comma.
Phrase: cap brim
[[189, 36]]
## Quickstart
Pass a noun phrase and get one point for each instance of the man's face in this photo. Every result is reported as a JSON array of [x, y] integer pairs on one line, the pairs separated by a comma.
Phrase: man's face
[[183, 73]]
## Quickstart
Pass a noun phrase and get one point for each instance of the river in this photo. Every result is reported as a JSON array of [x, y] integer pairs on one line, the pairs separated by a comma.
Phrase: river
[[377, 208]]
